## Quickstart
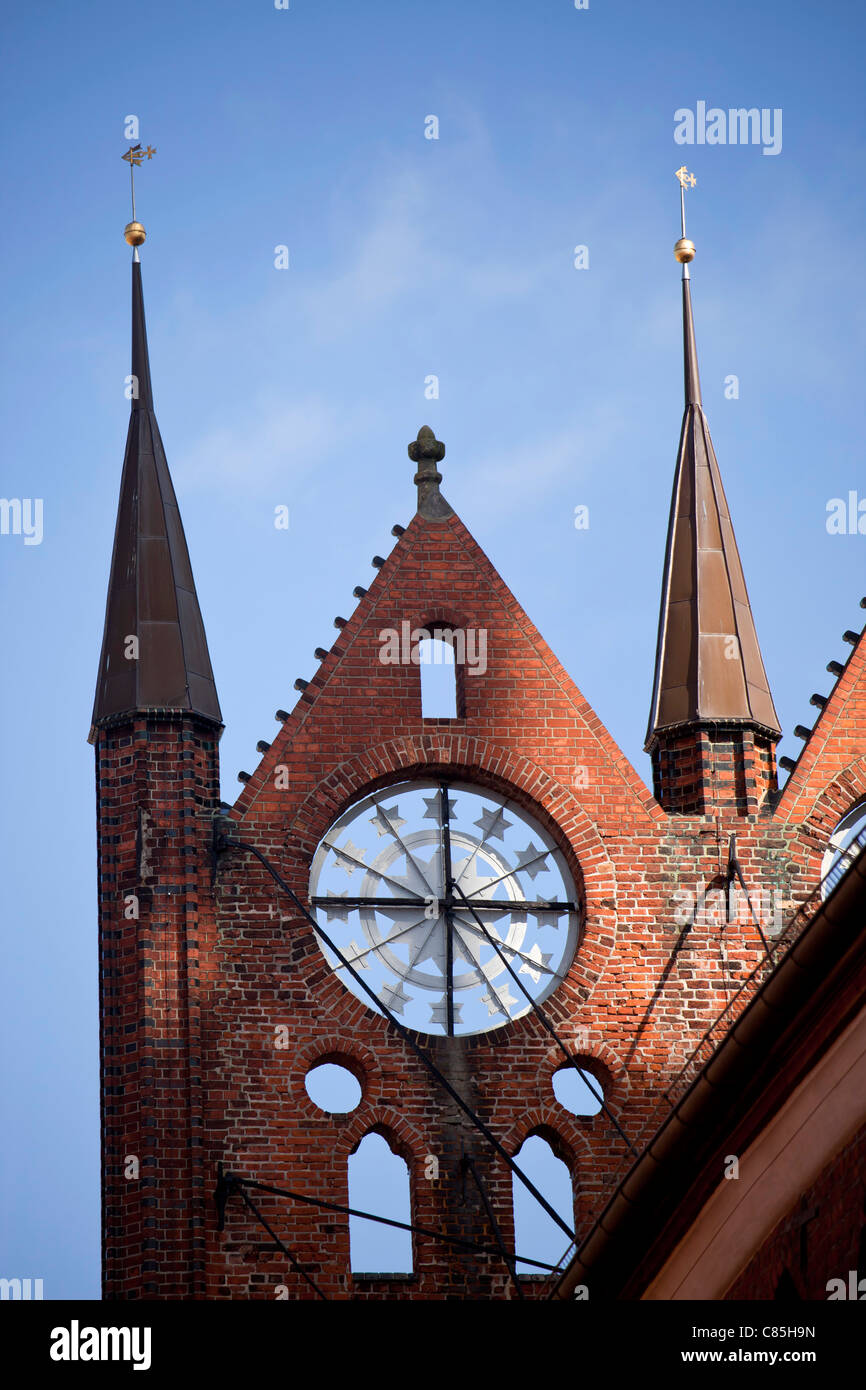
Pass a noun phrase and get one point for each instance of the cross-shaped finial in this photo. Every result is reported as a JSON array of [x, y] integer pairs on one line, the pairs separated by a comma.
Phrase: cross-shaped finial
[[684, 249], [134, 232]]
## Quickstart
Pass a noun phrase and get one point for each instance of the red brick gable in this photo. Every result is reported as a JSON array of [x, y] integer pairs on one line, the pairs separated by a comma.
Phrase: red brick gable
[[836, 746], [204, 960], [438, 575]]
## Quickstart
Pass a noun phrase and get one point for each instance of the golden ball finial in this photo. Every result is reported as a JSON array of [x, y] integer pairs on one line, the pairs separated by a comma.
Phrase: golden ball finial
[[684, 250], [134, 233]]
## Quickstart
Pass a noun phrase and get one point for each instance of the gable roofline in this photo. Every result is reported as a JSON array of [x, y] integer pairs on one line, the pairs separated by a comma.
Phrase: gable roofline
[[431, 526]]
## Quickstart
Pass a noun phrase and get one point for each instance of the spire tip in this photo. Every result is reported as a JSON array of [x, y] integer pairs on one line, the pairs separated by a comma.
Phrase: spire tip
[[684, 251]]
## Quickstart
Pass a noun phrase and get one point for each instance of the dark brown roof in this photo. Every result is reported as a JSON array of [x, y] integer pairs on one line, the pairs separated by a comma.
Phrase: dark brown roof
[[151, 591], [708, 663]]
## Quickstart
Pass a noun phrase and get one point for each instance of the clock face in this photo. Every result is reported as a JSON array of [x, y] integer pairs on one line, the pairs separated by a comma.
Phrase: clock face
[[431, 890]]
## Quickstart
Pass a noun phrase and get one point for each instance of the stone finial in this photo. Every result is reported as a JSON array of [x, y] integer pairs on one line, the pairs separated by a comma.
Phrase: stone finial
[[426, 451]]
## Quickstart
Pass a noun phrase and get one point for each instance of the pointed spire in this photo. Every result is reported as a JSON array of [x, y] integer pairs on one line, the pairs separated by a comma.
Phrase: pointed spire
[[142, 398], [154, 650], [708, 663], [426, 451], [692, 378]]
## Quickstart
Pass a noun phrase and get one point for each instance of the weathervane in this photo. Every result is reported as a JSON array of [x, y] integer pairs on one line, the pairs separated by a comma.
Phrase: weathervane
[[133, 232], [684, 249]]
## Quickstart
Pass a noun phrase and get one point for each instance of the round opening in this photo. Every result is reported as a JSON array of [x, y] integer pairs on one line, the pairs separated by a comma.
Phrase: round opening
[[578, 1092], [333, 1088], [457, 905]]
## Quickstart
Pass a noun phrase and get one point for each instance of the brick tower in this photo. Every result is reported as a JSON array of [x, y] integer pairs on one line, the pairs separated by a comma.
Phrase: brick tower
[[156, 726], [453, 908]]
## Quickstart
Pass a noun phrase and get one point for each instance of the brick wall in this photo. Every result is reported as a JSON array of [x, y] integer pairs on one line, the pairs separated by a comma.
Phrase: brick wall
[[157, 788], [637, 999], [713, 769], [210, 971]]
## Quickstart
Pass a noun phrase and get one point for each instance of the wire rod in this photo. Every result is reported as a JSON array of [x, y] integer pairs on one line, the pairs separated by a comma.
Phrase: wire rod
[[735, 871], [228, 842], [299, 1269], [382, 1220], [508, 1259], [543, 1019]]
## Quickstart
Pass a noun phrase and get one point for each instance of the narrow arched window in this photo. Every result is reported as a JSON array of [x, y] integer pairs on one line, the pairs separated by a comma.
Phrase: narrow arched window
[[438, 678], [379, 1184], [536, 1235]]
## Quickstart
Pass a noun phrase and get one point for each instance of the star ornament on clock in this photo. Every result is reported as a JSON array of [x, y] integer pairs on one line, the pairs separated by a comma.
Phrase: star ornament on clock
[[433, 889]]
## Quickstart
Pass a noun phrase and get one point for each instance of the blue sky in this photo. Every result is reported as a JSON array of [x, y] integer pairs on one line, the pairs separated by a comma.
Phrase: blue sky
[[408, 257]]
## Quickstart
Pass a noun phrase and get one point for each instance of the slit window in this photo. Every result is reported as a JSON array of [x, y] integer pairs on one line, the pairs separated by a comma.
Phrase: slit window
[[438, 678]]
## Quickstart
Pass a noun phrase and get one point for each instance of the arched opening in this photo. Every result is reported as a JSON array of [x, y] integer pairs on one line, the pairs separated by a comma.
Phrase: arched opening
[[438, 678], [333, 1088], [379, 1184], [536, 1235], [844, 845], [578, 1090]]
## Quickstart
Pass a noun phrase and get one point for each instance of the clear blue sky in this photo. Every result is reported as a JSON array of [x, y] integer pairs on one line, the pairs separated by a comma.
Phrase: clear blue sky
[[409, 257]]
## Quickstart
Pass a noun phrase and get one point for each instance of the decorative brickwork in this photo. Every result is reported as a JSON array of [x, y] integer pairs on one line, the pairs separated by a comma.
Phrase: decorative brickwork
[[216, 998], [655, 963], [704, 770], [157, 789]]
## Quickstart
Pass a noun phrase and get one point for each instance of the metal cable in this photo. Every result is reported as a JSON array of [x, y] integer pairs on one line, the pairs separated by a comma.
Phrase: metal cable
[[227, 842], [299, 1269], [542, 1018], [381, 1220]]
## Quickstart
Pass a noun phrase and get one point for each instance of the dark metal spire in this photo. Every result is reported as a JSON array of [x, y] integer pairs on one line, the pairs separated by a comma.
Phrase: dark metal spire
[[692, 378], [708, 663], [142, 398], [154, 649]]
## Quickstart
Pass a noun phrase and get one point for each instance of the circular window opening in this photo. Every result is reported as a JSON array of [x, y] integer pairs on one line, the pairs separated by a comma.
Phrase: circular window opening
[[449, 904], [333, 1088], [578, 1091]]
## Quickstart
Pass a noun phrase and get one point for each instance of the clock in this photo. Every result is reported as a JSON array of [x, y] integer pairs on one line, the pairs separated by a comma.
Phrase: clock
[[433, 888]]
